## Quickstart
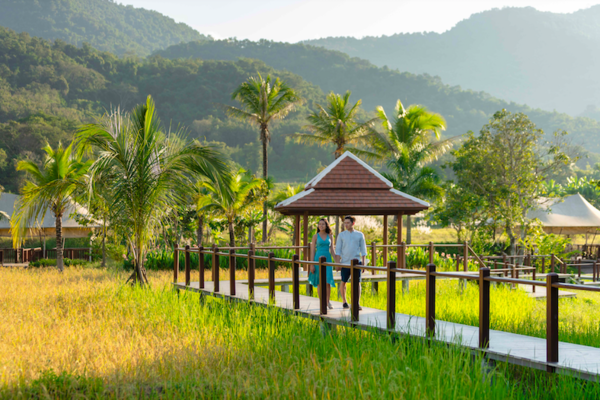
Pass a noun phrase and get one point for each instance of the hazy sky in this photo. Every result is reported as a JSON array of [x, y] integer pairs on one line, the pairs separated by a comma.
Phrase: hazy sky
[[295, 20]]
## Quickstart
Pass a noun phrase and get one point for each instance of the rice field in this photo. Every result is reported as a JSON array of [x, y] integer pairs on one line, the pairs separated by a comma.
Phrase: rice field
[[83, 334]]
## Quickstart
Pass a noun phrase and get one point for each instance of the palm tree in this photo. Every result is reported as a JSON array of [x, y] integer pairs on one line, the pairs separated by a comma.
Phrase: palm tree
[[232, 203], [155, 171], [337, 124], [406, 144], [264, 101], [48, 188]]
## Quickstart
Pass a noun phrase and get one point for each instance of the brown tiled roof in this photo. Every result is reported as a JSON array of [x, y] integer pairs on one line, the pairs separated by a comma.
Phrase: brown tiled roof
[[349, 174], [350, 186]]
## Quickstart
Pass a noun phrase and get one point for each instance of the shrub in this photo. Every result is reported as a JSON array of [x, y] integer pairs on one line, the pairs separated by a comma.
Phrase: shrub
[[45, 262]]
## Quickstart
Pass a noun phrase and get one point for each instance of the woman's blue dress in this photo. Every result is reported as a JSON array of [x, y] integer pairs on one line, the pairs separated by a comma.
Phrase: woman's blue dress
[[322, 250]]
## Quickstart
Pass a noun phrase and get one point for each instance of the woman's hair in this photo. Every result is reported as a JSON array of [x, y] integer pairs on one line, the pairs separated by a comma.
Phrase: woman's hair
[[327, 229]]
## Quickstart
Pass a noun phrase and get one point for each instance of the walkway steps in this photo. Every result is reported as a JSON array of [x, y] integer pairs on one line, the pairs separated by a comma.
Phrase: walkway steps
[[578, 360]]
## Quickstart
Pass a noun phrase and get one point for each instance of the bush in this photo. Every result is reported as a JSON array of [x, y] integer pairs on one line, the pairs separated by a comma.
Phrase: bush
[[45, 262]]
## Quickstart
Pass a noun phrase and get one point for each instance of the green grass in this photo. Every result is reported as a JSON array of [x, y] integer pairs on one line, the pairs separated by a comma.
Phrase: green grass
[[83, 334]]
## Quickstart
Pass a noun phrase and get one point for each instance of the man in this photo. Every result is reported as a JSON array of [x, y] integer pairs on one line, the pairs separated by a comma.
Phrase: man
[[350, 245]]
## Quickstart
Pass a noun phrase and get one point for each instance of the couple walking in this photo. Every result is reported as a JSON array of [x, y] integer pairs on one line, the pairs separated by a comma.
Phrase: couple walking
[[350, 245]]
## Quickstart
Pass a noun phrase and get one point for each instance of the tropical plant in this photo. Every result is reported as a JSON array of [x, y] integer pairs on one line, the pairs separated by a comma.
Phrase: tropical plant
[[48, 188], [337, 123], [154, 170], [233, 202], [262, 102], [407, 146]]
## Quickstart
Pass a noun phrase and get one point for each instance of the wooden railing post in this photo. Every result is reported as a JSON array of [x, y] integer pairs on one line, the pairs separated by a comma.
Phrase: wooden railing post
[[187, 265], [354, 270], [176, 264], [466, 257], [322, 285], [391, 295], [231, 272], [374, 285], [430, 300], [431, 252], [215, 268], [2, 257], [296, 281], [271, 277], [201, 267], [551, 320], [251, 271], [484, 308]]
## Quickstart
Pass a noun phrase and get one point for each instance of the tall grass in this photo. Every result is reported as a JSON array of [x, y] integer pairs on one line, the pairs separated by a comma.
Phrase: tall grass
[[82, 334]]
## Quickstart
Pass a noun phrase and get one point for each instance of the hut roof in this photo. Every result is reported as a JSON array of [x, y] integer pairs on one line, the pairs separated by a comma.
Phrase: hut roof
[[351, 186], [571, 215]]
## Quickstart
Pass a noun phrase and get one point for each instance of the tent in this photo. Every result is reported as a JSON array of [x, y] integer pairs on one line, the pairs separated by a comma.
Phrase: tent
[[46, 227], [569, 216]]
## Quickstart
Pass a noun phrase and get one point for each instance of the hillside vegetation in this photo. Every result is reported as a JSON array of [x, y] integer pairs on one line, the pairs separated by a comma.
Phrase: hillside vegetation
[[48, 89], [104, 24], [542, 59], [335, 71]]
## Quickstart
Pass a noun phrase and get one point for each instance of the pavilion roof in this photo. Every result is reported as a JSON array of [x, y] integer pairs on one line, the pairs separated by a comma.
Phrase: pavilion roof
[[351, 186]]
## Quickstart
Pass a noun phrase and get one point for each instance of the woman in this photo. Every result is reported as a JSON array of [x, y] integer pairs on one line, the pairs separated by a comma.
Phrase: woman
[[322, 246]]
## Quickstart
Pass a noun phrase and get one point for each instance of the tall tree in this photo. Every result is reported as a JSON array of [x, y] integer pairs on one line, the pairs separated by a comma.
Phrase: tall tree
[[262, 102], [406, 143], [233, 202], [48, 188], [337, 123], [155, 171], [505, 165]]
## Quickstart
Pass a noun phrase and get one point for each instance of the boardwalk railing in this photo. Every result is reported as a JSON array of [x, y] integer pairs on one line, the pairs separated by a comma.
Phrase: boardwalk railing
[[23, 255], [483, 277]]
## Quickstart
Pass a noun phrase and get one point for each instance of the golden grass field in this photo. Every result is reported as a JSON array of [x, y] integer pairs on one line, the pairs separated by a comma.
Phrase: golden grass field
[[83, 334]]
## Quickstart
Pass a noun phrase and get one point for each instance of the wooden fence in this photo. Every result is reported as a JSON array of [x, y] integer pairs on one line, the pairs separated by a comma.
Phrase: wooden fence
[[22, 255], [483, 277]]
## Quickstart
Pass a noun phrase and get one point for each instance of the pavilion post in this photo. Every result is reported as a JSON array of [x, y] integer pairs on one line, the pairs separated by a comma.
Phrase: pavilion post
[[297, 234], [385, 239], [399, 238]]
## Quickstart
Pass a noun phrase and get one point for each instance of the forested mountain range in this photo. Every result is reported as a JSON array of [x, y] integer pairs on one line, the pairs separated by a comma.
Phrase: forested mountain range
[[335, 71], [104, 24], [542, 59], [48, 89]]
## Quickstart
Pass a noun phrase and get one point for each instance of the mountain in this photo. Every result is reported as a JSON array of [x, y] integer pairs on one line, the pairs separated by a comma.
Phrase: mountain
[[48, 89], [542, 59], [103, 24], [335, 71]]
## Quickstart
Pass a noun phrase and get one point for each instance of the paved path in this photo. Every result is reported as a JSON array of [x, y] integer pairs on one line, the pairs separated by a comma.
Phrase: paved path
[[583, 361]]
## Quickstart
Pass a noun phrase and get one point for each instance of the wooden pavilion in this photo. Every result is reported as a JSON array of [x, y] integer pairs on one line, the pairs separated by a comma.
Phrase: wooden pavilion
[[349, 186]]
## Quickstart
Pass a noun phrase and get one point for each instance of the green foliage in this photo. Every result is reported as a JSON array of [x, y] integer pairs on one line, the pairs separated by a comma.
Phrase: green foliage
[[106, 25], [588, 188], [539, 242], [464, 110], [46, 262]]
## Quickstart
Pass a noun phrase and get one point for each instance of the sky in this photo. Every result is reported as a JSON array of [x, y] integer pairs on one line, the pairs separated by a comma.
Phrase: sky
[[296, 20]]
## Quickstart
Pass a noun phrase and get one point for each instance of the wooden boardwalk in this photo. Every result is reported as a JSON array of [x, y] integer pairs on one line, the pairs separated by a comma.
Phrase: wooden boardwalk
[[577, 360]]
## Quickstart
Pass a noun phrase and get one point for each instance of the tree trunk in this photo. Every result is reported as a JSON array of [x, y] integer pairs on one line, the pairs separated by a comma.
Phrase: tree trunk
[[59, 242], [512, 238], [200, 229], [139, 272], [250, 229], [104, 245], [263, 135], [231, 234], [408, 230]]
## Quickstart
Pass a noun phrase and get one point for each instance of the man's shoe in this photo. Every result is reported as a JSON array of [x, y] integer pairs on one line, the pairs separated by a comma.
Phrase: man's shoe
[[346, 305]]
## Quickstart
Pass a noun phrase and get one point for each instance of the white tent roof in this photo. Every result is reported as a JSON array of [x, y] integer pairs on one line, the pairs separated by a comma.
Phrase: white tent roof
[[71, 228], [571, 215]]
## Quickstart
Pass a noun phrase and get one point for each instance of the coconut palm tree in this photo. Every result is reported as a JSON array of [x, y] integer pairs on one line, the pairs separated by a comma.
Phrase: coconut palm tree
[[407, 146], [232, 203], [50, 187], [262, 102], [336, 123], [154, 172]]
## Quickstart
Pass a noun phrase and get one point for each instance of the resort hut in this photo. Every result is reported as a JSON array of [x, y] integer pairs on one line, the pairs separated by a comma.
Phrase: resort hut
[[569, 216], [46, 226], [349, 186]]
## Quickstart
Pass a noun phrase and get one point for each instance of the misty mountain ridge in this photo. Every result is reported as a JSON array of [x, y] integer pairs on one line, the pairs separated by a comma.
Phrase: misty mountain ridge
[[542, 59]]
